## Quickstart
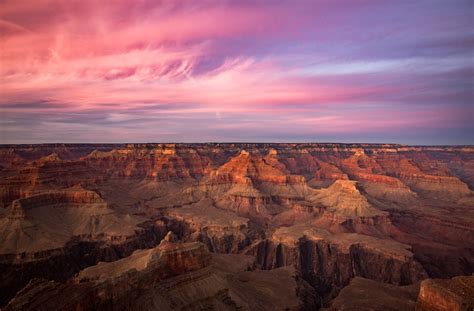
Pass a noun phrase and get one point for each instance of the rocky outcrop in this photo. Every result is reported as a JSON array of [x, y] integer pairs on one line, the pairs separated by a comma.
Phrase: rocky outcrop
[[91, 288], [172, 276], [55, 234], [366, 294], [455, 294], [436, 187], [221, 231], [46, 174], [343, 199], [431, 295], [49, 220], [165, 162], [330, 212], [74, 196], [431, 184], [62, 263], [328, 262]]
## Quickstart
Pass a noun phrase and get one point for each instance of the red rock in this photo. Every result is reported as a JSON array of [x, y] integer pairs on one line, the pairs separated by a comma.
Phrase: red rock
[[455, 294], [391, 213]]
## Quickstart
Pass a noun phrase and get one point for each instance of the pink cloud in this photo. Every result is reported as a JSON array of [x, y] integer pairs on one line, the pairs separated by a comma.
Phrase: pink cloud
[[307, 66]]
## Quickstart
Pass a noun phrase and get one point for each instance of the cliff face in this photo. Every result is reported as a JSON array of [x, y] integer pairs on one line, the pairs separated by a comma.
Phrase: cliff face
[[431, 295], [366, 294], [454, 294], [329, 261], [390, 213], [54, 234], [172, 276]]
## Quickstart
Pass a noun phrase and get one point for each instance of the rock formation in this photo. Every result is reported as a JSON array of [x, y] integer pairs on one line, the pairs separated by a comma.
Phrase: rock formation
[[172, 276], [56, 233], [454, 294], [319, 217], [431, 295], [364, 294]]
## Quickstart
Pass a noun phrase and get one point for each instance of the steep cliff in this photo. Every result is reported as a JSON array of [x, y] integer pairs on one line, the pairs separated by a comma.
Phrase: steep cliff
[[172, 276], [319, 213]]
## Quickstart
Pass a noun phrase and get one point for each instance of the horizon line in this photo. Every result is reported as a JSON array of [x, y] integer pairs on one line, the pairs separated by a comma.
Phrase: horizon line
[[237, 143]]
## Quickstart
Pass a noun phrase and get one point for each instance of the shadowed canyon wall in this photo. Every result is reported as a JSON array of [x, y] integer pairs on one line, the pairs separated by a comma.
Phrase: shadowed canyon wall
[[331, 212]]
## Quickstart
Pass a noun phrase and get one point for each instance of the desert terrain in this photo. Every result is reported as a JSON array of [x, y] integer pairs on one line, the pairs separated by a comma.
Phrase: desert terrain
[[236, 226]]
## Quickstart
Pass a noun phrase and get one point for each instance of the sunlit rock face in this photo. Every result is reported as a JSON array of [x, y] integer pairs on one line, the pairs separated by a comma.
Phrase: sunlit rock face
[[452, 294], [310, 222]]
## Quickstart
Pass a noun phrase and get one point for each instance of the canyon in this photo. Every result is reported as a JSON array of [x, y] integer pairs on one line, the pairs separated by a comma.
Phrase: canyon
[[236, 226]]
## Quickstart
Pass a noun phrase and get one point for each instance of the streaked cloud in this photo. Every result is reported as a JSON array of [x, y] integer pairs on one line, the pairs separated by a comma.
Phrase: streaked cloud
[[214, 70]]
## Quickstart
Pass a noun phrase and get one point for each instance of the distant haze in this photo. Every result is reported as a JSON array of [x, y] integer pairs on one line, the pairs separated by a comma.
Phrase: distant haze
[[272, 71]]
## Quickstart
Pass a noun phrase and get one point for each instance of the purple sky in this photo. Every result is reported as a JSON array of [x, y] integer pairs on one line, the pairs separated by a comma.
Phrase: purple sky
[[276, 71]]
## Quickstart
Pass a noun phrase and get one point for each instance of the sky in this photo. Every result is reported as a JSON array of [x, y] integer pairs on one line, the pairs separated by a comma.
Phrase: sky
[[237, 71]]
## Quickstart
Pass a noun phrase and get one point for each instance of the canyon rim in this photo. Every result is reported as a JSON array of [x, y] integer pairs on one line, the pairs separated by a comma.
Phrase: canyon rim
[[237, 155]]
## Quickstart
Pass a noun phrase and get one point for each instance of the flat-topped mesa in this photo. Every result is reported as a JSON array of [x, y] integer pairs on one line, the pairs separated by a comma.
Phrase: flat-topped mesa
[[329, 261], [451, 294], [74, 196], [221, 231], [45, 222], [164, 261], [345, 242]]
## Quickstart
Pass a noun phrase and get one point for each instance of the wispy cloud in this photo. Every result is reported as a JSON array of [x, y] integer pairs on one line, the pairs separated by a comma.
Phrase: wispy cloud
[[209, 70]]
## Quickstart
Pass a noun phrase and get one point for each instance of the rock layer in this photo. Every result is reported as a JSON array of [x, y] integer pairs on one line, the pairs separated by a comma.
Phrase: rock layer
[[364, 295], [321, 213], [172, 276], [453, 294]]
